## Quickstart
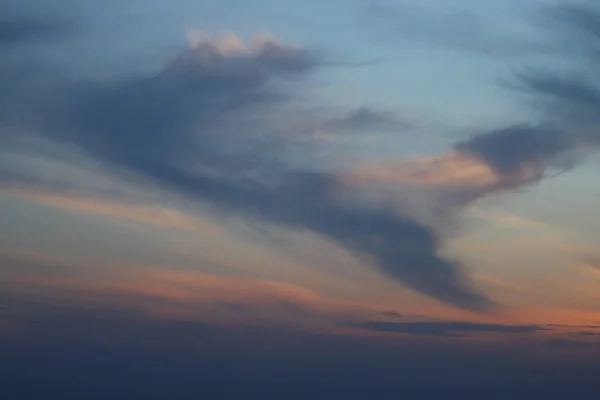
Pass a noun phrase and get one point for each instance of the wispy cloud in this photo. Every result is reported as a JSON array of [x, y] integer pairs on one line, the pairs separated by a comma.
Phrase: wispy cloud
[[448, 329], [451, 169], [502, 283], [168, 292], [461, 28], [137, 212], [508, 219], [32, 280]]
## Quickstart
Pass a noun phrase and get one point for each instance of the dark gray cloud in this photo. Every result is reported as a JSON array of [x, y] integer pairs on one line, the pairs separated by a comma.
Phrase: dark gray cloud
[[185, 130], [512, 150], [571, 96], [588, 333], [365, 118], [574, 326], [407, 23], [566, 344], [96, 352], [574, 98], [570, 102], [26, 29], [392, 314], [448, 329], [580, 19], [592, 262]]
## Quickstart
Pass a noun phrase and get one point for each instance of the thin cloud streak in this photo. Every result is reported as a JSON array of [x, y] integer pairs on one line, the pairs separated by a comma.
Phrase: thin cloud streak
[[448, 329], [137, 212]]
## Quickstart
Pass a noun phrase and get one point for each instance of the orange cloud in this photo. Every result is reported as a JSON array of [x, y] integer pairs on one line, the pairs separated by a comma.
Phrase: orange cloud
[[149, 214], [174, 293], [507, 219], [501, 283], [230, 44], [449, 169], [163, 292]]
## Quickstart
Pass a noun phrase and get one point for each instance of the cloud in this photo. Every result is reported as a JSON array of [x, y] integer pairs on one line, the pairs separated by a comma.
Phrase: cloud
[[434, 190], [516, 156], [36, 280], [520, 155], [452, 170], [501, 283], [166, 128], [141, 123], [521, 151], [20, 30], [566, 344], [139, 212], [367, 119], [185, 129], [570, 95], [159, 292], [513, 157], [595, 264], [588, 333], [448, 329], [230, 55], [589, 264], [509, 220], [581, 19], [487, 163], [455, 28], [392, 314]]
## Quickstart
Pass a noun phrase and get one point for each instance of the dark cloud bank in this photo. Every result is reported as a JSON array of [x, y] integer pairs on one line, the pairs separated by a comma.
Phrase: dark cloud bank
[[185, 130], [69, 354], [19, 30], [60, 346], [449, 329]]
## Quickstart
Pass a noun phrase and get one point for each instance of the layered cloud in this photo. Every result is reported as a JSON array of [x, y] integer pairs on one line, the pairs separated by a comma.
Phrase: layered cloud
[[38, 286], [163, 217], [160, 292]]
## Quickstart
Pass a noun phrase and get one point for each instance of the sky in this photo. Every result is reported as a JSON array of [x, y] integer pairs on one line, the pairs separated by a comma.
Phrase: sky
[[299, 199]]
